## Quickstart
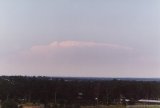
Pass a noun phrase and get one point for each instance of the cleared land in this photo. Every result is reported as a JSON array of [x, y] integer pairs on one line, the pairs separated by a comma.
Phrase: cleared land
[[103, 106], [119, 106], [143, 106]]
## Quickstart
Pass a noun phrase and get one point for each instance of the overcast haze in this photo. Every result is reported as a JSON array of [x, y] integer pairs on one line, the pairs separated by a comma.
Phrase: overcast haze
[[91, 38]]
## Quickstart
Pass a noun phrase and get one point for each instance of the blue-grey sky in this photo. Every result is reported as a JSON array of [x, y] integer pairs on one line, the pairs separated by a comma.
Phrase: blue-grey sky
[[97, 38]]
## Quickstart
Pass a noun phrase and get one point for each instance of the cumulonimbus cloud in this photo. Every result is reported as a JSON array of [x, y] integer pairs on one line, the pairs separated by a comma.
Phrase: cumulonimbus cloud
[[68, 57], [75, 58]]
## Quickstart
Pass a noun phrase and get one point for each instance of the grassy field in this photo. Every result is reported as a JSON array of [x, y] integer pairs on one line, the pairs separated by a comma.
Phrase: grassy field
[[120, 106]]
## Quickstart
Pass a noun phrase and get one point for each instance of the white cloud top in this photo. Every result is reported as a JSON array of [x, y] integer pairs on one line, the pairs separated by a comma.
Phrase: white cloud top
[[78, 44]]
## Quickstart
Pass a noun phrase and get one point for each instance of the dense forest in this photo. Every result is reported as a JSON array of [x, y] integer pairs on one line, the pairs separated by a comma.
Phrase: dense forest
[[66, 91]]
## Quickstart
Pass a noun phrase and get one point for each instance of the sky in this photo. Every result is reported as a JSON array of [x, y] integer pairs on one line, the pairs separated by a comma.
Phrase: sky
[[80, 38]]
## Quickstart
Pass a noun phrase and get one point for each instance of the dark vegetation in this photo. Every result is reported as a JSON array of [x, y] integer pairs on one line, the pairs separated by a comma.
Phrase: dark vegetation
[[64, 91], [9, 104]]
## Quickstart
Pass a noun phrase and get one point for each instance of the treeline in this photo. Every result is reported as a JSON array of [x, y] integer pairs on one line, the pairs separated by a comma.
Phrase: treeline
[[60, 90]]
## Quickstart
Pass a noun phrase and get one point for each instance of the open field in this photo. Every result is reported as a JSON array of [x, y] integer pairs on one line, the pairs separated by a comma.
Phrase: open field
[[104, 106], [120, 106], [143, 106]]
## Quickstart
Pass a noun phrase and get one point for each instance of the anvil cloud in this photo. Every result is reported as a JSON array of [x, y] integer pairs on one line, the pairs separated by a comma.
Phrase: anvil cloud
[[78, 44]]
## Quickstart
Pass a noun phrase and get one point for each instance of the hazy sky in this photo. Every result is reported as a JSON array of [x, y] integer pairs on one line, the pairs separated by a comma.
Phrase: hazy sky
[[97, 38]]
